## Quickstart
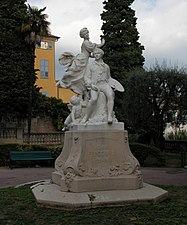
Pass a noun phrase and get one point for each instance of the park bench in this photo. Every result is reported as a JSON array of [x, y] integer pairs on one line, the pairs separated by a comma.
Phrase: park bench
[[29, 156]]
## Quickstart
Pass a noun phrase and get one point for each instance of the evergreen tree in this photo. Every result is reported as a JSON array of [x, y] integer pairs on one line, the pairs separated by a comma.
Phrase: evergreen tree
[[15, 60], [21, 27], [122, 50]]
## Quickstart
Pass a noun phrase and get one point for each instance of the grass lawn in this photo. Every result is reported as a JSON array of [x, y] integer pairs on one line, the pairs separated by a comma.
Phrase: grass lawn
[[18, 207]]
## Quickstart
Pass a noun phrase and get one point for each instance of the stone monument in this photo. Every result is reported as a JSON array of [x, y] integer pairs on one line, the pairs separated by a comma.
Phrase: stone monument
[[96, 159]]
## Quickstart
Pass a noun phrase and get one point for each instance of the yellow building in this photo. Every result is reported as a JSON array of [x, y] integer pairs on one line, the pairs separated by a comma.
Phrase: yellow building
[[45, 63]]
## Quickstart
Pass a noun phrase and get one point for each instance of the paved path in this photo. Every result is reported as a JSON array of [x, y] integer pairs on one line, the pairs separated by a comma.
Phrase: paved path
[[17, 176]]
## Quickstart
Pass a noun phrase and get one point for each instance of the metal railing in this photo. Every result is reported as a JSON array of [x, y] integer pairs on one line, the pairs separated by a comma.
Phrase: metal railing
[[177, 146]]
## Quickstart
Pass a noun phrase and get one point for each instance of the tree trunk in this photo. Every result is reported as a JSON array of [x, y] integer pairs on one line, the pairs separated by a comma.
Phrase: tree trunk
[[31, 84]]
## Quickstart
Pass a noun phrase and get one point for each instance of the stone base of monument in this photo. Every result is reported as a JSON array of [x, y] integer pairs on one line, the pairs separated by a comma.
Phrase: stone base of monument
[[82, 184], [49, 195], [96, 161]]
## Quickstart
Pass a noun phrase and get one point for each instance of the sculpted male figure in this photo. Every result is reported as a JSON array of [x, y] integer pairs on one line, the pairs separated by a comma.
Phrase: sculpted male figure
[[98, 81]]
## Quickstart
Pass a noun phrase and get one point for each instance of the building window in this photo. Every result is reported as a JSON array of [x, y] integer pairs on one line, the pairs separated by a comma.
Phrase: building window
[[50, 45], [45, 45], [45, 93], [44, 68]]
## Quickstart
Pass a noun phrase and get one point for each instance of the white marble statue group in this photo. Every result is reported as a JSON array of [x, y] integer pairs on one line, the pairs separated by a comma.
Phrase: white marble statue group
[[92, 83]]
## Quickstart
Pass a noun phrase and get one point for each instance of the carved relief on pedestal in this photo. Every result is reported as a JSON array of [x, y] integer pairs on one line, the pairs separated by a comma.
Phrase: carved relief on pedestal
[[132, 161], [89, 172], [139, 176], [76, 139], [69, 177], [125, 137], [119, 170], [59, 163]]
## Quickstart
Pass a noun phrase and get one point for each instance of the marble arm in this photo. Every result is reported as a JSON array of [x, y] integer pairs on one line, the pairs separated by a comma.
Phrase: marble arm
[[101, 44]]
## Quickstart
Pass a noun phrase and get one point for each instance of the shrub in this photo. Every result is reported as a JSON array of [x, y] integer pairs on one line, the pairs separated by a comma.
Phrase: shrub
[[143, 152], [4, 153], [55, 151]]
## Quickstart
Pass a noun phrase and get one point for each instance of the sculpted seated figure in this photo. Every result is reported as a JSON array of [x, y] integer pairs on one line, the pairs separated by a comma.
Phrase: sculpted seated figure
[[98, 81], [91, 82]]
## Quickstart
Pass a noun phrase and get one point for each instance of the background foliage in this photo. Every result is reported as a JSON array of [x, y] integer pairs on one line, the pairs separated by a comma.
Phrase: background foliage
[[150, 95], [122, 50], [15, 60]]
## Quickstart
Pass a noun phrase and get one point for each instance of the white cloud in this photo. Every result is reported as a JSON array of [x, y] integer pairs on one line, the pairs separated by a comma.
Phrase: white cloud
[[162, 25], [163, 30]]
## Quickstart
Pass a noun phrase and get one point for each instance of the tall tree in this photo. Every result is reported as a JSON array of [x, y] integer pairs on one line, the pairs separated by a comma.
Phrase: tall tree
[[15, 60], [122, 50], [33, 28], [149, 96]]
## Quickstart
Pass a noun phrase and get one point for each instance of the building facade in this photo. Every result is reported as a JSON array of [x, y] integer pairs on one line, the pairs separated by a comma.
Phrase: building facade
[[45, 65]]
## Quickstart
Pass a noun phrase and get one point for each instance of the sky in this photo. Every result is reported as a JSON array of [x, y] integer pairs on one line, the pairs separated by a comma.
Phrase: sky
[[162, 26]]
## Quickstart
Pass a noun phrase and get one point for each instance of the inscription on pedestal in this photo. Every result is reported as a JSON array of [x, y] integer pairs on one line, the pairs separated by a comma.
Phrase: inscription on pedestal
[[96, 157], [98, 153]]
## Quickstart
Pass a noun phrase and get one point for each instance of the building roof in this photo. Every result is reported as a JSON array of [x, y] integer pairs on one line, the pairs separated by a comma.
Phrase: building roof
[[51, 36]]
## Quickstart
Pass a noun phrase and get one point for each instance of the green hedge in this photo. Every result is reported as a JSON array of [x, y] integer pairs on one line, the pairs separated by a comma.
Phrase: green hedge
[[144, 152], [6, 148]]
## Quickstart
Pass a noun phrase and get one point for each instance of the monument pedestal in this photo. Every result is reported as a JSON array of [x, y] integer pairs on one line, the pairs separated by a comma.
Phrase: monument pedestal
[[97, 161], [49, 195]]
